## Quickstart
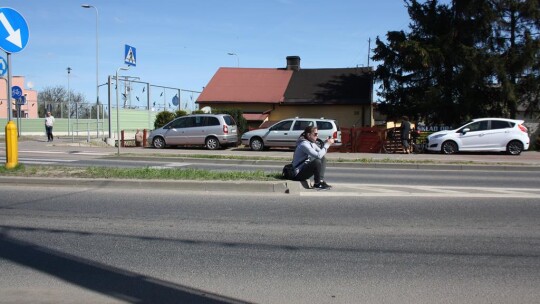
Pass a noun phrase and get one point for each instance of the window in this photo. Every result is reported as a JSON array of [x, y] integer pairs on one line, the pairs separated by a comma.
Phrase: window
[[229, 120], [179, 123], [185, 122], [198, 121], [301, 125], [500, 124], [211, 121], [477, 126], [283, 126], [324, 125]]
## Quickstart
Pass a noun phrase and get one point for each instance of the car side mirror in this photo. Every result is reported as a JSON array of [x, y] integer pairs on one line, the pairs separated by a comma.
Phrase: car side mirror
[[464, 131]]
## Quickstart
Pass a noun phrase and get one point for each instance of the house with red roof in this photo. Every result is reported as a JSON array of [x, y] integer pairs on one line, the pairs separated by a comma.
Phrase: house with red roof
[[267, 95]]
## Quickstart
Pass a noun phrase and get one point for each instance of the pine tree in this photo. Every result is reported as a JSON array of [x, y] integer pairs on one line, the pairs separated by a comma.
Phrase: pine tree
[[460, 60]]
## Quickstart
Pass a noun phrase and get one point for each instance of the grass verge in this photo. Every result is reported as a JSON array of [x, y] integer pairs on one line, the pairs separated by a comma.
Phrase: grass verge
[[137, 173]]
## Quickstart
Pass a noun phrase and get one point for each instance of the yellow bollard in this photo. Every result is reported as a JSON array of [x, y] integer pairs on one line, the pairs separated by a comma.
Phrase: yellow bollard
[[12, 149]]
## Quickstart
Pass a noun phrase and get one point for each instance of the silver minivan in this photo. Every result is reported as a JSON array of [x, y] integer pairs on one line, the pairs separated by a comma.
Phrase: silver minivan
[[211, 130]]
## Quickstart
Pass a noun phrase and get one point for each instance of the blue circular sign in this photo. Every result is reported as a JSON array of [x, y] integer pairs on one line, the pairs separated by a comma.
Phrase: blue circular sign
[[14, 32], [3, 66], [16, 92]]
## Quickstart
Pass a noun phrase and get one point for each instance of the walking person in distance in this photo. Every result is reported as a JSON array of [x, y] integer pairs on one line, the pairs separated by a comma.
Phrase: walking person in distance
[[309, 160], [405, 134], [49, 122]]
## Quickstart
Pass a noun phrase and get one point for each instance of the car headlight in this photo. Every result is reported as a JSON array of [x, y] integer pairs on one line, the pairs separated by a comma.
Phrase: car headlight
[[436, 136]]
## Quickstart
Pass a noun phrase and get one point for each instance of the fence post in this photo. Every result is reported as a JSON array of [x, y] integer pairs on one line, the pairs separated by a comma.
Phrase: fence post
[[122, 138], [144, 138], [87, 132]]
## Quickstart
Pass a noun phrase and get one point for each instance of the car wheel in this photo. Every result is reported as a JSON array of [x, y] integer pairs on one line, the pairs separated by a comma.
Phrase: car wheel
[[256, 144], [158, 142], [320, 143], [514, 147], [212, 143], [449, 147]]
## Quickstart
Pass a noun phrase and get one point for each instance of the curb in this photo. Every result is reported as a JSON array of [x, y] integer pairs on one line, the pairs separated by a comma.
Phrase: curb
[[345, 164]]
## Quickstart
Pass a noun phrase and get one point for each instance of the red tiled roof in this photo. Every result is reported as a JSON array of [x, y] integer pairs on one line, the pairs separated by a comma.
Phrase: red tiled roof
[[253, 85]]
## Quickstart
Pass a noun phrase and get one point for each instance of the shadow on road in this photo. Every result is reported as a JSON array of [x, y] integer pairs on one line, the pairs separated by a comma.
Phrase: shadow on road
[[114, 282]]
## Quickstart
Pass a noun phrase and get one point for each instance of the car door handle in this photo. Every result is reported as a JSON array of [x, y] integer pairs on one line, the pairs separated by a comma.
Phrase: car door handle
[[285, 133]]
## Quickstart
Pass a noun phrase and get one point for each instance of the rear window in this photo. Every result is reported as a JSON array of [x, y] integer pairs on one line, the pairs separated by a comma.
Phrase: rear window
[[324, 125], [229, 120], [301, 125], [500, 124], [211, 121]]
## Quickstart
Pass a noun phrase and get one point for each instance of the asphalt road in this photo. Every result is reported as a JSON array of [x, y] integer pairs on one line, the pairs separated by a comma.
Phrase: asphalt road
[[96, 245]]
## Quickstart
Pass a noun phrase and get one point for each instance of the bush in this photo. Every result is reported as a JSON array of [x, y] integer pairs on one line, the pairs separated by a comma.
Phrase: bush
[[180, 113], [162, 118]]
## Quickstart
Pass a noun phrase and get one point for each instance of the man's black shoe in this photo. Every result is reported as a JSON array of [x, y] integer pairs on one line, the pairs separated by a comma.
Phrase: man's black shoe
[[325, 184], [321, 186]]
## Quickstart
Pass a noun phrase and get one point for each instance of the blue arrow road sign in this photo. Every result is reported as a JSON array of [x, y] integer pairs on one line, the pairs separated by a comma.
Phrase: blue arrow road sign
[[3, 66], [14, 30], [16, 92]]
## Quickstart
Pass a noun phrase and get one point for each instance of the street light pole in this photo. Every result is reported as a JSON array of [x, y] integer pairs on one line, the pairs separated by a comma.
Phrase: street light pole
[[237, 58], [69, 101], [118, 108], [97, 64]]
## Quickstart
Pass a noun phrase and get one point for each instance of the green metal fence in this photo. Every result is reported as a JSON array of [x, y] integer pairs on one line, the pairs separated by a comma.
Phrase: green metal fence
[[129, 120]]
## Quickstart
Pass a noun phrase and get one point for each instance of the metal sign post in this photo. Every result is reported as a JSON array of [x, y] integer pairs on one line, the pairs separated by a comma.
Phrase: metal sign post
[[16, 40]]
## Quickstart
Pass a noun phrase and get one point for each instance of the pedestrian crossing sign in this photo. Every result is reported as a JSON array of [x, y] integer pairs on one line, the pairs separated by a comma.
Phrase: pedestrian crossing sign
[[130, 56]]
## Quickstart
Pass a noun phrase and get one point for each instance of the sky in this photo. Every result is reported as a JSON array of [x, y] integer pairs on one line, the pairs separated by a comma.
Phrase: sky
[[181, 44]]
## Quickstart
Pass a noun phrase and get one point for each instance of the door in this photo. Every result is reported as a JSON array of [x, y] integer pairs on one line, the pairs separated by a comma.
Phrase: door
[[499, 134], [277, 135], [179, 130], [475, 138]]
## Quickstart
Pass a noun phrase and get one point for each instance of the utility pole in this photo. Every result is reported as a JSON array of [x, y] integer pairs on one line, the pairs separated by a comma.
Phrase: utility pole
[[368, 51]]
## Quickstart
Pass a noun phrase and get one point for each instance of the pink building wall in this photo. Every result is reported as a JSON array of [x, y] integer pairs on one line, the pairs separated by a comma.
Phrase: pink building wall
[[29, 110]]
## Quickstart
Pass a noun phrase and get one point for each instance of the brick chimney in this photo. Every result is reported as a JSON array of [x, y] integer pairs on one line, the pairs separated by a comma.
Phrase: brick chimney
[[293, 63]]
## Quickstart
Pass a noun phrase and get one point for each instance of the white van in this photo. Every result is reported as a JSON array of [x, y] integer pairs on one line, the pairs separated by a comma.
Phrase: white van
[[286, 132]]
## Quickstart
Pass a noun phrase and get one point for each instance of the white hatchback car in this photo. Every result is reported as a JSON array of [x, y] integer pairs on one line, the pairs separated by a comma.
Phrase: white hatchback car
[[483, 134], [286, 132]]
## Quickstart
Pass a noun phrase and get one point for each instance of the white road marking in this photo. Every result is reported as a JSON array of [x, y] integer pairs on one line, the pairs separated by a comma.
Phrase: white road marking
[[348, 190], [66, 152], [170, 166], [26, 160]]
